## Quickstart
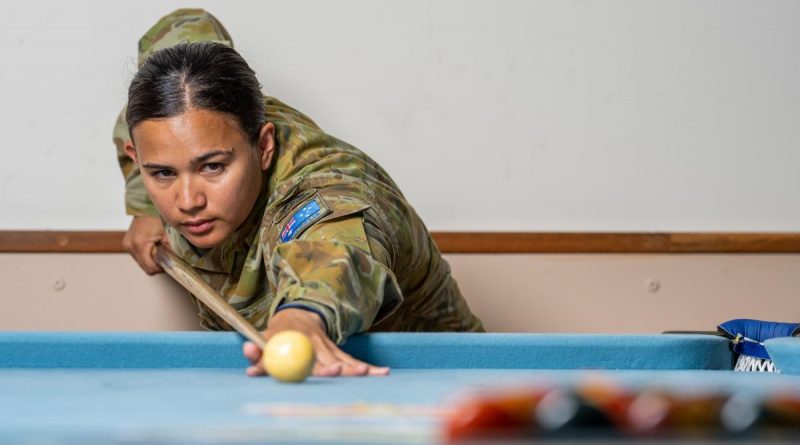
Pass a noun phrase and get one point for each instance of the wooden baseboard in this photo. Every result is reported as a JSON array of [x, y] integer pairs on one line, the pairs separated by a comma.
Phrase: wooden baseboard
[[60, 241], [48, 241], [532, 242]]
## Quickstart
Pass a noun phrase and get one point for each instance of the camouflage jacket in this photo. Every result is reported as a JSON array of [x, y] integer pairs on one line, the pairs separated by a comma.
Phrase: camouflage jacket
[[330, 231]]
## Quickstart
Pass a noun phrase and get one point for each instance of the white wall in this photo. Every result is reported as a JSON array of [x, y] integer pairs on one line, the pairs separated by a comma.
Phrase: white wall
[[492, 115]]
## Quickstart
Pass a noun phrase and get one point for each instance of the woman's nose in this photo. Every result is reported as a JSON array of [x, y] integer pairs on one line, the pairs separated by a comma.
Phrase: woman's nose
[[190, 197]]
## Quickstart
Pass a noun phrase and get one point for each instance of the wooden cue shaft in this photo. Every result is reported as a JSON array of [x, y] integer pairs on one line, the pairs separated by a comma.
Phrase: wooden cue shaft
[[181, 272]]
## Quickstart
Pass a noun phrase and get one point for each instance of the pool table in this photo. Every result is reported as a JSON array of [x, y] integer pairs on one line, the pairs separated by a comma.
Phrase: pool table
[[190, 387]]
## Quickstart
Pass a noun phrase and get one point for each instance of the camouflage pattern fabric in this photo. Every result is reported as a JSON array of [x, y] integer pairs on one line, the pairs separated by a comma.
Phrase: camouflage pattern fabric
[[183, 25], [367, 264]]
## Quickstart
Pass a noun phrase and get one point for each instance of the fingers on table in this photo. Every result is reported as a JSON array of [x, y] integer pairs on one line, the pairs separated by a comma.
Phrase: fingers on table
[[330, 362], [253, 354], [329, 355]]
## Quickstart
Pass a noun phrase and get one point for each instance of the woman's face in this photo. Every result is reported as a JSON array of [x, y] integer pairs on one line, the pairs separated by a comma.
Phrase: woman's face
[[201, 172]]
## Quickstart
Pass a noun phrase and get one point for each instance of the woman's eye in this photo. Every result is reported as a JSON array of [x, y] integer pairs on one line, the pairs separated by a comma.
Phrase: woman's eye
[[163, 174], [213, 167]]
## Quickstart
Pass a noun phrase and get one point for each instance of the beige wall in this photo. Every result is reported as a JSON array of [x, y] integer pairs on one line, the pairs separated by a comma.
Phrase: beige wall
[[627, 293], [538, 293], [88, 292]]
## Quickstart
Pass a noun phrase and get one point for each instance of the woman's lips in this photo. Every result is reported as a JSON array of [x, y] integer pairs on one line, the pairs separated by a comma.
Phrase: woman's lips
[[199, 227]]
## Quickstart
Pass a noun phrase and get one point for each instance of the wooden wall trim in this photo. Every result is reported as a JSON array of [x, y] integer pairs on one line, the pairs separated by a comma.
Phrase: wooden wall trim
[[531, 242], [467, 242], [52, 241]]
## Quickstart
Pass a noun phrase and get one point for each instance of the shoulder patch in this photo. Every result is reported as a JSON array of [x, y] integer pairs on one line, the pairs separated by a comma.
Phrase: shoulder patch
[[303, 217]]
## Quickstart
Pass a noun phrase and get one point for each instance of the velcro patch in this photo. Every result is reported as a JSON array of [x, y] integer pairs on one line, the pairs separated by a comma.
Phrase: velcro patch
[[311, 212]]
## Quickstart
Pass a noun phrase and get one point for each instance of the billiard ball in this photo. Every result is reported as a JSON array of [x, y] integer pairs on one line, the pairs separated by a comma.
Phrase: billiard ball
[[506, 413], [288, 356]]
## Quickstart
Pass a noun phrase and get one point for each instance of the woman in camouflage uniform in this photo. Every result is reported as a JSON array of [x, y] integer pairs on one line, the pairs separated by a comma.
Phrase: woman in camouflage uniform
[[293, 227]]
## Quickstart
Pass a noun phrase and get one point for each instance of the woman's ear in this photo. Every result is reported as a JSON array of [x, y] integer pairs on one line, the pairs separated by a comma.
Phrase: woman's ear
[[266, 145], [130, 150]]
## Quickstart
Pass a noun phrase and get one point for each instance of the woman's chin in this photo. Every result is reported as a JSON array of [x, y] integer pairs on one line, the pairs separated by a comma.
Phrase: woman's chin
[[205, 241]]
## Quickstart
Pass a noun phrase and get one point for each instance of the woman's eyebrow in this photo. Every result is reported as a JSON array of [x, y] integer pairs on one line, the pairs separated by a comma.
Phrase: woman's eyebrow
[[198, 160], [152, 166], [211, 154]]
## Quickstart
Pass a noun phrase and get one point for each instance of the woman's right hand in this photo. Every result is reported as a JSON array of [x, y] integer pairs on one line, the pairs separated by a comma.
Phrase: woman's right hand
[[143, 234]]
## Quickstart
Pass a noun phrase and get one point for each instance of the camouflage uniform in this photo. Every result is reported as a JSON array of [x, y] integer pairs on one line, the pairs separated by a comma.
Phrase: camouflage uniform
[[363, 259]]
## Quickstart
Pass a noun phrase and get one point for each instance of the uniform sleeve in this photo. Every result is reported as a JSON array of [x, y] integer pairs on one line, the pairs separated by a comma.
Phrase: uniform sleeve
[[331, 270], [137, 203]]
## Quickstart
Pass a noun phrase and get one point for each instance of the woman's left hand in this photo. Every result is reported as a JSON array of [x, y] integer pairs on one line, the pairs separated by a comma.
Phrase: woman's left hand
[[330, 360]]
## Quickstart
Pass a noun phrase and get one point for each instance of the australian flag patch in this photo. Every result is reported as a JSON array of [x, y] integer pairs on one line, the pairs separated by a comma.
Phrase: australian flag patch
[[306, 215]]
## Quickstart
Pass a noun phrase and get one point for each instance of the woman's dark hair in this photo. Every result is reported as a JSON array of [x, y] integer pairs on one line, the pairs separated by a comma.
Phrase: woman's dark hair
[[204, 75]]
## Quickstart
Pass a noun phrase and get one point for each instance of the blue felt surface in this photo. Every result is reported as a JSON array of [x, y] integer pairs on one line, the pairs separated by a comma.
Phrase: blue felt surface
[[397, 350], [530, 351], [121, 350], [785, 352], [179, 388], [176, 406]]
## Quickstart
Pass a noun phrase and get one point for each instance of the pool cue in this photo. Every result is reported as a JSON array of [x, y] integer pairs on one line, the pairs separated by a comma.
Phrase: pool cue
[[181, 272]]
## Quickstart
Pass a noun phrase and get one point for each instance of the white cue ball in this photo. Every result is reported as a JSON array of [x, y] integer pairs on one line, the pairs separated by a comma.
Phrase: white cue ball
[[288, 356]]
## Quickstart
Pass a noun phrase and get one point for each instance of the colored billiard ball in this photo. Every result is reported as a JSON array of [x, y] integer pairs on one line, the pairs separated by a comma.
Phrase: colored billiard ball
[[288, 356]]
